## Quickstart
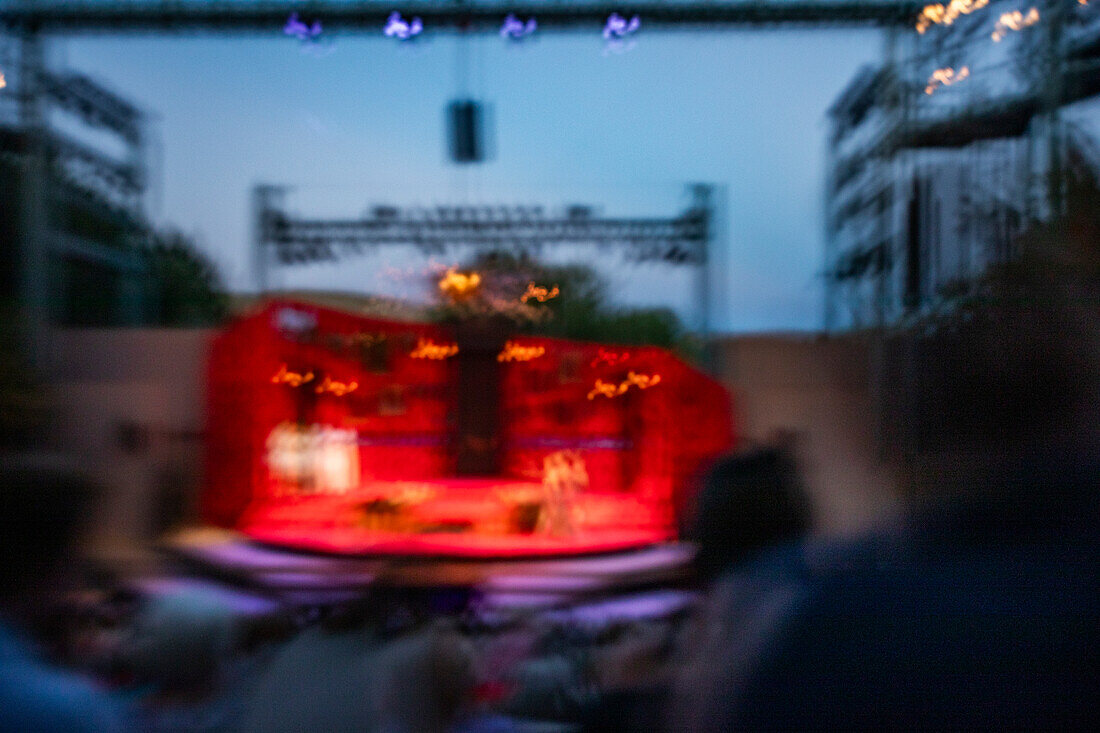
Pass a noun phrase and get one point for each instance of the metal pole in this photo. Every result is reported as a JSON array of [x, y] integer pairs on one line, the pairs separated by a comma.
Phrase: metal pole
[[897, 103], [264, 200], [703, 202], [34, 244]]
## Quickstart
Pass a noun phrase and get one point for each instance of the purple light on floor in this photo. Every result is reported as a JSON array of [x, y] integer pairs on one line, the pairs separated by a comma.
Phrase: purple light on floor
[[618, 27], [397, 27], [515, 29]]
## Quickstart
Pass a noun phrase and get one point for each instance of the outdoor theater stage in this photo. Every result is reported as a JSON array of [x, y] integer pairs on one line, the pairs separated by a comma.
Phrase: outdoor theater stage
[[467, 518], [332, 433]]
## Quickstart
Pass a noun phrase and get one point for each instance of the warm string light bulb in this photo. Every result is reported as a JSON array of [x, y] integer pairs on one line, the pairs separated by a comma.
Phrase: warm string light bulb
[[459, 284], [945, 77], [294, 379], [939, 14], [1014, 21], [538, 293], [337, 388], [513, 351], [428, 349], [610, 389], [609, 357]]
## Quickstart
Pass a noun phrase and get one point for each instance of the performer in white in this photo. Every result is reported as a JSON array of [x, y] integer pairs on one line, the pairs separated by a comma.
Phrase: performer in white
[[564, 475], [317, 458], [337, 461]]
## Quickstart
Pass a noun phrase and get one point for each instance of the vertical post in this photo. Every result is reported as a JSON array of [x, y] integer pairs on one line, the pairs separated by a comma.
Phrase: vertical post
[[264, 200], [829, 291], [702, 204], [897, 98], [35, 250]]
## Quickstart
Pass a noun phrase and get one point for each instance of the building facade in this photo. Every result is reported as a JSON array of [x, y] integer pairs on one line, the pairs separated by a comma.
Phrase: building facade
[[73, 172], [942, 155]]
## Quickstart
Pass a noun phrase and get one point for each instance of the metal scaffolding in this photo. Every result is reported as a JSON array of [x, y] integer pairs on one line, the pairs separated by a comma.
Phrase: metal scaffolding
[[284, 239]]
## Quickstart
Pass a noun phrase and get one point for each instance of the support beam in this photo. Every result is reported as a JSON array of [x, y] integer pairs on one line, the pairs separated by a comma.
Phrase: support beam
[[268, 16]]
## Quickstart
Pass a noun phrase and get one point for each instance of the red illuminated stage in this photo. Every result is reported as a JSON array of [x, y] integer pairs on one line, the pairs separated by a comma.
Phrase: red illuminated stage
[[337, 433]]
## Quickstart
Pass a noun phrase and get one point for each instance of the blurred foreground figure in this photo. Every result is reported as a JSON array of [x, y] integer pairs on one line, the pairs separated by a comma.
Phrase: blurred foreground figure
[[349, 675], [41, 507], [983, 612], [748, 503]]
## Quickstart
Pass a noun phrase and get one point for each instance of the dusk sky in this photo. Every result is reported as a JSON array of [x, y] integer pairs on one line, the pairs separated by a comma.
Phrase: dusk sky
[[364, 124]]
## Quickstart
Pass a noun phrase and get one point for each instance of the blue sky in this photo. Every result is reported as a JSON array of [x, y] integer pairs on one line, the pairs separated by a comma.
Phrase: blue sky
[[743, 109]]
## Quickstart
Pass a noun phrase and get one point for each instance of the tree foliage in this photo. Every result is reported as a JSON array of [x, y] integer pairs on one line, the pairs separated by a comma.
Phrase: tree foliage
[[184, 287], [580, 310]]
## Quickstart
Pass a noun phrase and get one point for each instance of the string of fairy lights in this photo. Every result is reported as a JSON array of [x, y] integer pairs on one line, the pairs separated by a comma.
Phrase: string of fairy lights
[[938, 14], [458, 285]]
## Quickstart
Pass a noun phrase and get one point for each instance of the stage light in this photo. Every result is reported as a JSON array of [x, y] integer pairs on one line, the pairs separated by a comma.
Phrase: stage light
[[515, 29], [618, 27], [3, 81], [300, 30], [397, 27]]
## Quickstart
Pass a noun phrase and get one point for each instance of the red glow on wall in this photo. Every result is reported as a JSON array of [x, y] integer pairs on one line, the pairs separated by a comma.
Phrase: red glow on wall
[[640, 449]]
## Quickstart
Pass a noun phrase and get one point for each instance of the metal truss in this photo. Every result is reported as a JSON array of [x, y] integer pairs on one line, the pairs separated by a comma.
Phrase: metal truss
[[677, 241], [116, 183], [97, 106], [479, 16]]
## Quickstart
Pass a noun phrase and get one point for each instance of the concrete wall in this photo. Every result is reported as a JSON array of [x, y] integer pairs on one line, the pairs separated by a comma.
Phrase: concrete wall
[[131, 410], [820, 388]]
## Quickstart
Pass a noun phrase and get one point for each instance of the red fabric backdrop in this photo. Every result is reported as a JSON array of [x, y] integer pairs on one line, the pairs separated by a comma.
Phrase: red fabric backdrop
[[647, 442]]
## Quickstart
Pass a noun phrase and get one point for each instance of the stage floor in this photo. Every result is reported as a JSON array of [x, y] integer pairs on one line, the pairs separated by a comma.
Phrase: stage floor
[[460, 518]]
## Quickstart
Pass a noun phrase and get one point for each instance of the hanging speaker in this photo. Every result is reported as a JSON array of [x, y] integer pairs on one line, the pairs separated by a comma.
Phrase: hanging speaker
[[466, 118]]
